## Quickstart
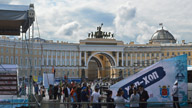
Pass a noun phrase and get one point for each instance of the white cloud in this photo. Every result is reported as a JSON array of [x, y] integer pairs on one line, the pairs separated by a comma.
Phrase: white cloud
[[67, 29], [136, 20]]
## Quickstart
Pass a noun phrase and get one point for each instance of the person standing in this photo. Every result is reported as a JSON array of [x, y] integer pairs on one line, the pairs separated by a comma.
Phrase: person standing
[[84, 97], [134, 99], [74, 96], [120, 101], [55, 91], [95, 98], [36, 89], [42, 91], [50, 91], [66, 94], [175, 94], [110, 99], [143, 97], [59, 93], [131, 90], [79, 95]]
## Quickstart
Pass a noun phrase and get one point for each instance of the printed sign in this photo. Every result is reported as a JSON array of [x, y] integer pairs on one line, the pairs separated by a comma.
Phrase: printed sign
[[158, 79]]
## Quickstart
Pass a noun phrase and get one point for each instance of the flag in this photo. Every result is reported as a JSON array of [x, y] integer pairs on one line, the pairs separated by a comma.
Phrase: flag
[[160, 24], [53, 71]]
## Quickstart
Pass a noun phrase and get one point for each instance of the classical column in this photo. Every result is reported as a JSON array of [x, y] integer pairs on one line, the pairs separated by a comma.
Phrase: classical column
[[141, 59], [117, 58], [56, 58], [75, 58], [136, 64], [150, 59], [145, 62], [79, 58], [65, 58], [61, 58], [131, 59], [155, 58], [51, 57], [122, 54], [70, 58], [85, 58], [126, 54], [47, 58]]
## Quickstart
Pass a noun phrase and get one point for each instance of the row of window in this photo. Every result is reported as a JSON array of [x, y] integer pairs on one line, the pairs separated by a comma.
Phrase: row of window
[[38, 62], [156, 54], [38, 52]]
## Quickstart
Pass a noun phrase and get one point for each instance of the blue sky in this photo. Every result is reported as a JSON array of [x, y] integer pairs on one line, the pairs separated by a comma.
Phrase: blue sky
[[129, 20]]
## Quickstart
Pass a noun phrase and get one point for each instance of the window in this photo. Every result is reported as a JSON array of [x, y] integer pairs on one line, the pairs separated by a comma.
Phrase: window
[[16, 51], [77, 62], [167, 54], [25, 61], [147, 54], [67, 62], [129, 63], [16, 60], [54, 61], [1, 59], [49, 61], [77, 54], [45, 62], [63, 62], [143, 54], [189, 53], [1, 50], [7, 60], [157, 54], [173, 53], [7, 50], [82, 54], [138, 54], [128, 54], [72, 61], [72, 54], [58, 53], [39, 62], [21, 61], [178, 53], [58, 61], [152, 54], [11, 60], [35, 62], [162, 54]]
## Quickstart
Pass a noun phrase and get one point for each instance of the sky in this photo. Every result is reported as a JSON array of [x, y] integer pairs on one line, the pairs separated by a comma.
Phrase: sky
[[129, 20]]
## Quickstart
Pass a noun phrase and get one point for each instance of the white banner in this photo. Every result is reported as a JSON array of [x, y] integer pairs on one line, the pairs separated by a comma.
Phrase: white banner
[[158, 80]]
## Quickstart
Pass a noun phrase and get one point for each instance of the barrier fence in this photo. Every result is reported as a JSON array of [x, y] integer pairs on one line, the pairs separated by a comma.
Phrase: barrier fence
[[56, 104]]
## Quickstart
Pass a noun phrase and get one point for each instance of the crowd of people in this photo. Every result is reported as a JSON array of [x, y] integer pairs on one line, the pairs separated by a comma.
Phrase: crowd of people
[[74, 92]]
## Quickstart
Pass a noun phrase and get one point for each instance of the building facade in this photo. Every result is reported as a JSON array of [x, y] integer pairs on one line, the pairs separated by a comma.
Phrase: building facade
[[98, 56]]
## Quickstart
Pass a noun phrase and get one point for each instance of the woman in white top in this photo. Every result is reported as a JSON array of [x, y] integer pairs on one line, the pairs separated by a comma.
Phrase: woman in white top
[[134, 99], [119, 100]]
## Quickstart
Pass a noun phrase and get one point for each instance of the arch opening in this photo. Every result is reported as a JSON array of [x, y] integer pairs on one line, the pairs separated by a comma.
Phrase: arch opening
[[100, 66]]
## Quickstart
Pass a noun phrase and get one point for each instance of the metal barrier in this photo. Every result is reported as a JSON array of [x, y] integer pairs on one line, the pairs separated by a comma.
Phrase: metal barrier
[[56, 104]]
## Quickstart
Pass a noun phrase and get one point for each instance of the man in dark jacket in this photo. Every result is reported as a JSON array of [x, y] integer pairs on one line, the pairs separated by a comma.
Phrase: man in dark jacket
[[131, 90], [55, 89], [143, 97]]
